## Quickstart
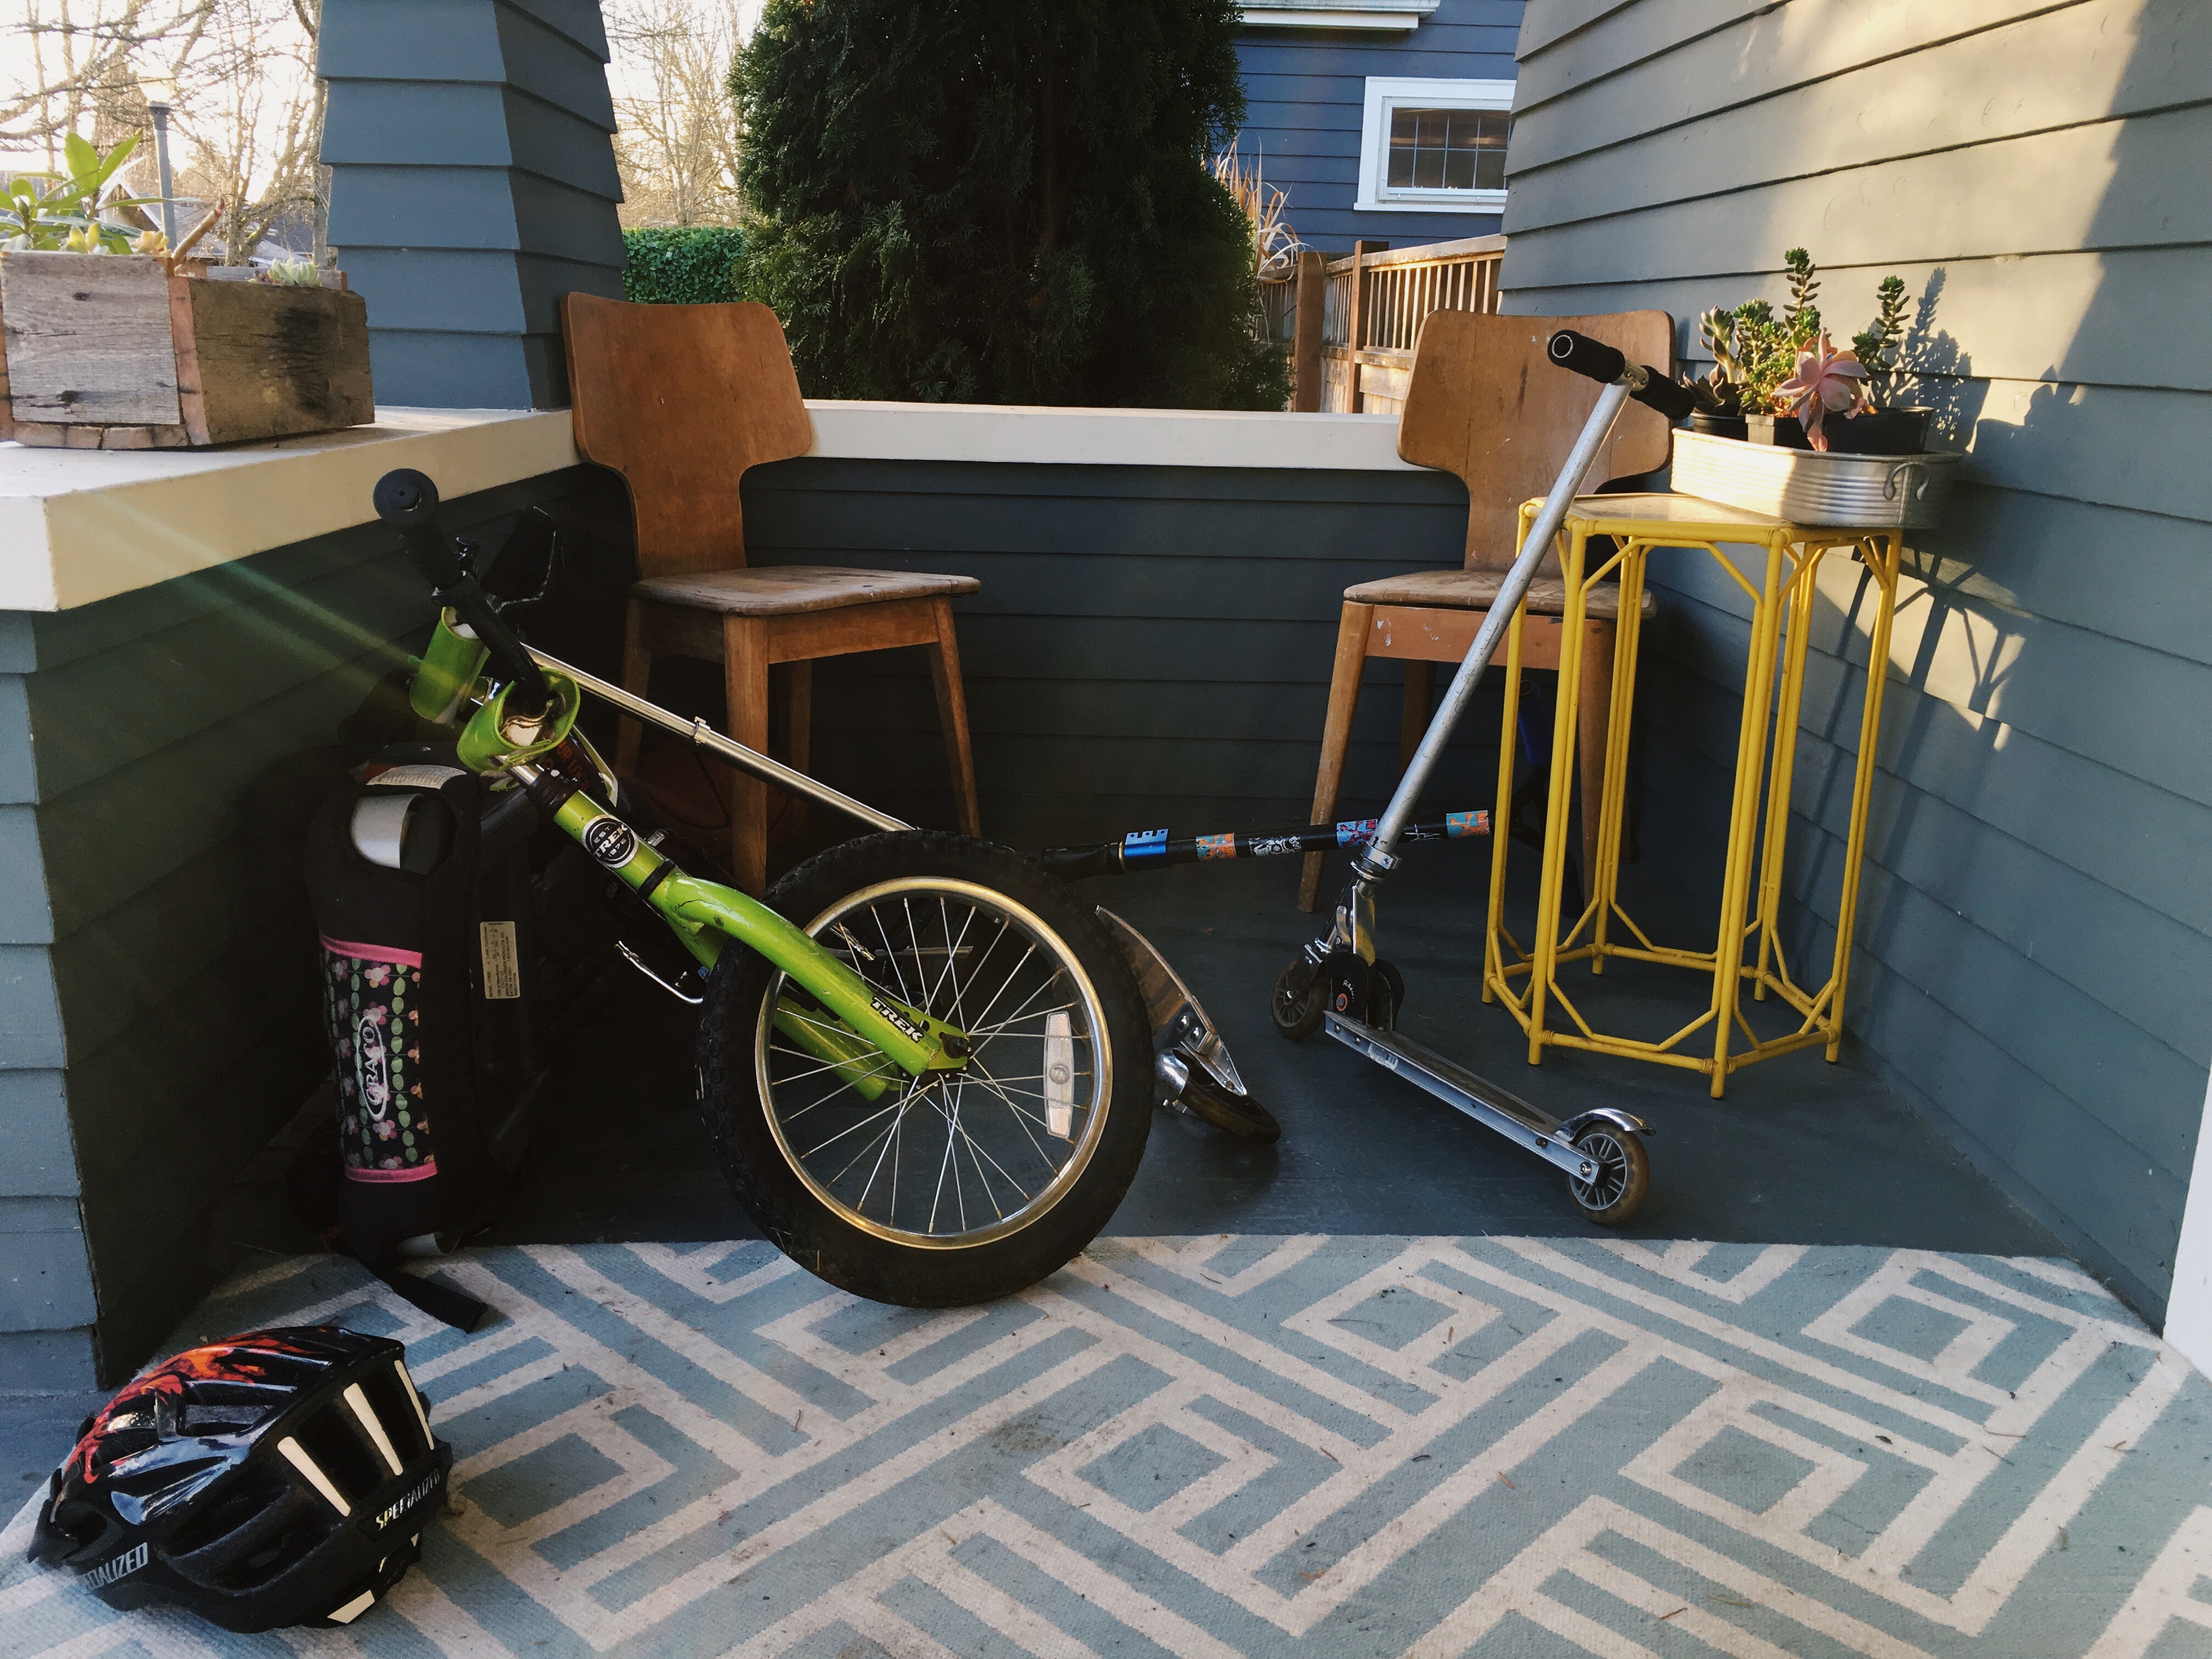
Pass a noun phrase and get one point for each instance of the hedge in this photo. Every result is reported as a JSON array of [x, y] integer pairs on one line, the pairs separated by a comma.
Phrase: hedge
[[683, 265]]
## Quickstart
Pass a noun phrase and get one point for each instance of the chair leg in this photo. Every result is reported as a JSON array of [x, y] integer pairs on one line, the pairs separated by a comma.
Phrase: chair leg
[[952, 716], [1595, 715], [637, 680], [1413, 720], [1336, 733], [797, 740], [744, 668]]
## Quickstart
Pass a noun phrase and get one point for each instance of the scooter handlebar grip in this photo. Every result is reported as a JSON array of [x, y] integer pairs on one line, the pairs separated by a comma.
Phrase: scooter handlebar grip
[[1592, 358], [1074, 863], [1666, 394]]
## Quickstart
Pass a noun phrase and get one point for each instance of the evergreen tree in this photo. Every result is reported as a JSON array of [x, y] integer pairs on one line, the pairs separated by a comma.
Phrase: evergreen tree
[[1003, 201]]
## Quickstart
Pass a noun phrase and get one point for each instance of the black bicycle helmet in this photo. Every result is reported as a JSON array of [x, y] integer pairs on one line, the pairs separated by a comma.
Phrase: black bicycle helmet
[[281, 1478]]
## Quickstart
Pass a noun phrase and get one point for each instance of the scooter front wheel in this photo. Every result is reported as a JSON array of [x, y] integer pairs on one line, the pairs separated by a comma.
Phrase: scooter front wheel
[[956, 1186], [1615, 1192]]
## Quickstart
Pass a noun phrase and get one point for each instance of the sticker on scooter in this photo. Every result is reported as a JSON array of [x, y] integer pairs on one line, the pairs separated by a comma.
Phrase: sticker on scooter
[[610, 841], [1356, 832]]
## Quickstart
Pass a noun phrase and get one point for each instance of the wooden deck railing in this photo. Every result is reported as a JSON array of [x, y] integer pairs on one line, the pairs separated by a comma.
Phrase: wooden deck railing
[[1359, 318]]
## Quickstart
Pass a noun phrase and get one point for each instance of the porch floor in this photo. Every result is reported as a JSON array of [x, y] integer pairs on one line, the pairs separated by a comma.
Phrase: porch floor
[[1757, 1433], [1243, 1445]]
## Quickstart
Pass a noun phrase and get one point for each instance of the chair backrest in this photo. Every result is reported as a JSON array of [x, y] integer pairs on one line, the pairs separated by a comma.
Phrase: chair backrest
[[1485, 404], [680, 400]]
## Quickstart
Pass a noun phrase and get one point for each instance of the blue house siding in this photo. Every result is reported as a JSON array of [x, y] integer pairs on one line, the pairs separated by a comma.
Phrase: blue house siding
[[2034, 953], [1304, 90]]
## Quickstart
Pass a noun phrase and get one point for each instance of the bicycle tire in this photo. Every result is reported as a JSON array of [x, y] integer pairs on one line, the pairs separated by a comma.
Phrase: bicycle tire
[[743, 1091]]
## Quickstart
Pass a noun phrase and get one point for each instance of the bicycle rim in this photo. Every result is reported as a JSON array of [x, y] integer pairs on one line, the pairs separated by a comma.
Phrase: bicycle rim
[[953, 1159]]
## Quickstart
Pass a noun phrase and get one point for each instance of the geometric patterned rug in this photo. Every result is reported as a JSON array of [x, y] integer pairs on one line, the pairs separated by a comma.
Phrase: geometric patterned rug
[[1248, 1446]]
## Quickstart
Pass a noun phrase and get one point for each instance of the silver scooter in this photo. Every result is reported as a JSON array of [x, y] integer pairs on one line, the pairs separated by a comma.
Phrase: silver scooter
[[1339, 985]]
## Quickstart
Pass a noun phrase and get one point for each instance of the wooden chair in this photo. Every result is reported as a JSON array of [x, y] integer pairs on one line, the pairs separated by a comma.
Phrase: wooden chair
[[1484, 403], [681, 400]]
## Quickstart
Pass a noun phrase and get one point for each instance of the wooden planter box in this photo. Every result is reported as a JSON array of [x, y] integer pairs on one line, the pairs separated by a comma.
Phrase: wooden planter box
[[107, 351]]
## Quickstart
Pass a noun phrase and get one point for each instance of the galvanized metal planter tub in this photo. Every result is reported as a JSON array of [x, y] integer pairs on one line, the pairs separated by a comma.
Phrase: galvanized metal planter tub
[[1874, 492]]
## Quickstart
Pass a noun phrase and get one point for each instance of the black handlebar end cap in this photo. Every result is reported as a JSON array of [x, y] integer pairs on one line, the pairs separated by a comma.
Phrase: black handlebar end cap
[[405, 498], [1593, 359]]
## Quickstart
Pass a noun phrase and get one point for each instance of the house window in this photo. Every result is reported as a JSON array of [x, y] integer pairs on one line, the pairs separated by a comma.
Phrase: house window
[[1434, 146]]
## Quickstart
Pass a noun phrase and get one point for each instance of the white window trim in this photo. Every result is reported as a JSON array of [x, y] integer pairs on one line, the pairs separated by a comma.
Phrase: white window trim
[[1394, 15], [1388, 92]]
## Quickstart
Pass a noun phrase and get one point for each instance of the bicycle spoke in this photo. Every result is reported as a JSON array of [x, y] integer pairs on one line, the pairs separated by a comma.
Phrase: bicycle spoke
[[999, 1156]]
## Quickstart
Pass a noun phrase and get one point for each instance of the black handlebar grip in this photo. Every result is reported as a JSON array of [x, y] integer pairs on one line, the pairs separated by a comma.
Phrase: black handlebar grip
[[408, 502], [1600, 362], [406, 499], [1586, 356], [1074, 863]]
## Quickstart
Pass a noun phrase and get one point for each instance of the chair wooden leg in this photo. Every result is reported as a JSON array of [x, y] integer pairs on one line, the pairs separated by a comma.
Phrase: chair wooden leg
[[744, 668], [797, 740], [1594, 715], [637, 680], [1414, 719], [1336, 733], [952, 716]]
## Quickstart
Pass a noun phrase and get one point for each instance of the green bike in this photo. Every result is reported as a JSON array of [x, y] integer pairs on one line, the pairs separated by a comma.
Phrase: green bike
[[929, 1074]]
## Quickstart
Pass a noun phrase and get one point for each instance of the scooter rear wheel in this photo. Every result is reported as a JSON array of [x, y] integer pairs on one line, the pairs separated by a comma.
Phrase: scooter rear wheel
[[953, 1188], [1624, 1175]]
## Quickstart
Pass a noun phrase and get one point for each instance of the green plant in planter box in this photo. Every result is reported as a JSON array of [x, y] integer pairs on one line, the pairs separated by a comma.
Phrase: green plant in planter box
[[59, 212]]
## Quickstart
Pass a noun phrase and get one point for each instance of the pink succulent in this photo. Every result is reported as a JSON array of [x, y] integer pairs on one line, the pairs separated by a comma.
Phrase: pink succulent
[[1827, 380]]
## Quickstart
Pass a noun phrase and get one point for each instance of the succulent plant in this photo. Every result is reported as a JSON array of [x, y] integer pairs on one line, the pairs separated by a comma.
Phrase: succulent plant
[[1879, 343], [1755, 351]]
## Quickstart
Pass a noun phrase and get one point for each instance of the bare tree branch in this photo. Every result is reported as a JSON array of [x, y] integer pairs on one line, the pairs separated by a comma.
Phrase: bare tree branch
[[676, 141]]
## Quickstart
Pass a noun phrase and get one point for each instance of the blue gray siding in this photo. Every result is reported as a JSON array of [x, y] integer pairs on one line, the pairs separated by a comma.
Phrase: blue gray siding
[[1151, 646], [472, 185], [1305, 88], [2035, 962], [158, 754]]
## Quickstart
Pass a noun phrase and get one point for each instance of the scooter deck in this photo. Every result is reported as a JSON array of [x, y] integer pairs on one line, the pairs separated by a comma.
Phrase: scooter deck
[[1481, 1099]]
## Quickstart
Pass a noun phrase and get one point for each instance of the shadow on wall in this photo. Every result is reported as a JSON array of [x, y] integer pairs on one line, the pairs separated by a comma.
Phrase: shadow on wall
[[2033, 962]]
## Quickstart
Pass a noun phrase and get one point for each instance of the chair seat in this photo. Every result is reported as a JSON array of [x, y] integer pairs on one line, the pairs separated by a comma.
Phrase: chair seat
[[789, 589], [1476, 590]]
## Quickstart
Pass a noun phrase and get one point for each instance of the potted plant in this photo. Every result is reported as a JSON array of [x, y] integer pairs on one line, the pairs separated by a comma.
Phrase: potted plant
[[110, 340], [1779, 379]]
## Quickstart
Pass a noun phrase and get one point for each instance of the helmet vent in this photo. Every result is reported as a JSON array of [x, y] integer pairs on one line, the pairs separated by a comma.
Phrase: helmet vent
[[414, 1399], [296, 1455], [358, 1403]]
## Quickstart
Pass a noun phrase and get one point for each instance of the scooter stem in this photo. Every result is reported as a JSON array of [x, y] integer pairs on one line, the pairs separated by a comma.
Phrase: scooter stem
[[1375, 860]]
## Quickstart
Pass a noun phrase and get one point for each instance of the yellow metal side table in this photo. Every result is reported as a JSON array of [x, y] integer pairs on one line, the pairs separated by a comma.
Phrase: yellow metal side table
[[1781, 607]]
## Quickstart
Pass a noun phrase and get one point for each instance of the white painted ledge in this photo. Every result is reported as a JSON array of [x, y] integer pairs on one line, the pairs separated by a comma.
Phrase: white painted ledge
[[82, 524], [1105, 437], [78, 526]]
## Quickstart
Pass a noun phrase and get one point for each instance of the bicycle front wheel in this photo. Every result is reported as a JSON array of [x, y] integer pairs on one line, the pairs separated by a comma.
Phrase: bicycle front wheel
[[955, 1187]]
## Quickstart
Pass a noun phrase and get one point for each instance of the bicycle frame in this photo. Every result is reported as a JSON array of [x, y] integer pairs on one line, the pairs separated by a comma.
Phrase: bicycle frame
[[705, 915]]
